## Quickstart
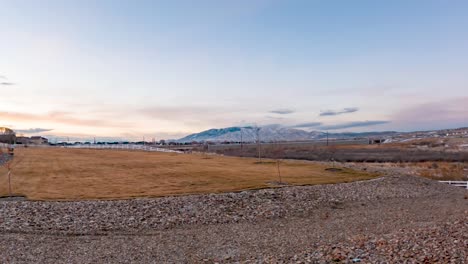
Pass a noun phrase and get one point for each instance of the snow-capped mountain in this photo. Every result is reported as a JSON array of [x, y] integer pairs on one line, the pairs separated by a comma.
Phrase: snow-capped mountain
[[249, 134], [270, 133]]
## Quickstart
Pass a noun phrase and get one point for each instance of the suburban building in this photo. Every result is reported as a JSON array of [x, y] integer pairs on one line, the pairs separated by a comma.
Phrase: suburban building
[[23, 140], [35, 140]]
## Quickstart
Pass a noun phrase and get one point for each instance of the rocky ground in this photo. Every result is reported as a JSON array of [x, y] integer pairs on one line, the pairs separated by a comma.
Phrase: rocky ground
[[391, 219]]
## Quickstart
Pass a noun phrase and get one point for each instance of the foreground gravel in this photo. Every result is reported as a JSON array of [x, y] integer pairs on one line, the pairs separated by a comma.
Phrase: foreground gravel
[[389, 219], [444, 243]]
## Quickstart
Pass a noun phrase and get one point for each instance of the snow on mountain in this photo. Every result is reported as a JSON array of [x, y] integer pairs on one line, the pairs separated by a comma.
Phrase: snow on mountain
[[249, 134]]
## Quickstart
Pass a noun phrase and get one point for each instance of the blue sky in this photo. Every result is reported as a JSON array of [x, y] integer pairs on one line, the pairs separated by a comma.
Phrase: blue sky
[[168, 68]]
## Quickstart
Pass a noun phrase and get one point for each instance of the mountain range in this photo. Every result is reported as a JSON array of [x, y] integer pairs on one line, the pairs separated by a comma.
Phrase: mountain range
[[269, 133]]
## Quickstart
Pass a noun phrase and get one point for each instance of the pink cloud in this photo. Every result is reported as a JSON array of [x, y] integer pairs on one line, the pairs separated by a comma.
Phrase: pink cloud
[[58, 117]]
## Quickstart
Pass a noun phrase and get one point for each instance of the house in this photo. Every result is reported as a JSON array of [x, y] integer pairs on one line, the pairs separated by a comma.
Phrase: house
[[37, 140], [23, 140], [34, 140]]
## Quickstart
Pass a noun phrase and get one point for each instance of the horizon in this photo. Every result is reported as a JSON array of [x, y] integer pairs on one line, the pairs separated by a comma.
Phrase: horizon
[[164, 70], [70, 139]]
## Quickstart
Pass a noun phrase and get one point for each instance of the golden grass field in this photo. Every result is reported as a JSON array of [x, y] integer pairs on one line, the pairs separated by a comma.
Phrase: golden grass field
[[72, 174]]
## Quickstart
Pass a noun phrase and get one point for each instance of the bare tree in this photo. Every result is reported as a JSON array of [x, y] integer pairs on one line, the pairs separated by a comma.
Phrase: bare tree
[[241, 143], [278, 154], [331, 152], [10, 164], [279, 171], [9, 180]]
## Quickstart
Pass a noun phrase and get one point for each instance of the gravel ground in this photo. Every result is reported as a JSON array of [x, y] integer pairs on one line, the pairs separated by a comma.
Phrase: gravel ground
[[386, 220]]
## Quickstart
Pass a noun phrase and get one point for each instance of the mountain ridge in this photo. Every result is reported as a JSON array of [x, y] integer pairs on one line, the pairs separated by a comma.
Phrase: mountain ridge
[[269, 134]]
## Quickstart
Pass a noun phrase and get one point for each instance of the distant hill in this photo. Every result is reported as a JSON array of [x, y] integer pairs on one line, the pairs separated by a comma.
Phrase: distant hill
[[268, 134]]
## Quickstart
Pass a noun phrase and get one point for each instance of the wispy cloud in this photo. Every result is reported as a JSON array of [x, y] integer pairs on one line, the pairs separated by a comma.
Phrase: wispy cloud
[[59, 117], [307, 125], [172, 113], [354, 124], [283, 111], [275, 117], [32, 130], [339, 112], [191, 117], [5, 82]]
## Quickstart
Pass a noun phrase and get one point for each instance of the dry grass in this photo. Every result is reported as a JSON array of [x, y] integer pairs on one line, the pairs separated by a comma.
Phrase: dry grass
[[454, 171], [70, 174], [440, 170]]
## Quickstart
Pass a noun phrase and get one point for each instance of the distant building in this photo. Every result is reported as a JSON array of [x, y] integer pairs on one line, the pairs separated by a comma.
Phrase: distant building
[[376, 140], [35, 140], [23, 140], [39, 140]]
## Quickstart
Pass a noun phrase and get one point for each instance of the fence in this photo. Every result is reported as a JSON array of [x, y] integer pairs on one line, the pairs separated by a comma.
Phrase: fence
[[463, 184], [125, 147]]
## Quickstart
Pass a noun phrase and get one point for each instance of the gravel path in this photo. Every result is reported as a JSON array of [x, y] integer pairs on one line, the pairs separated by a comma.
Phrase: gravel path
[[390, 219]]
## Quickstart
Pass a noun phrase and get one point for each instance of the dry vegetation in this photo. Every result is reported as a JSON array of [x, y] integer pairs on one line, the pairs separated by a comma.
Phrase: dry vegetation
[[454, 171], [353, 153], [439, 170], [69, 174]]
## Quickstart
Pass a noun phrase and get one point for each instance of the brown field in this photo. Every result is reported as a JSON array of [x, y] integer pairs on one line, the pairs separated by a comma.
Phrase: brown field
[[71, 174]]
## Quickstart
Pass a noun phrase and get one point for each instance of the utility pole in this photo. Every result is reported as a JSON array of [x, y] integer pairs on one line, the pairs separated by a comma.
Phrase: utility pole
[[327, 137]]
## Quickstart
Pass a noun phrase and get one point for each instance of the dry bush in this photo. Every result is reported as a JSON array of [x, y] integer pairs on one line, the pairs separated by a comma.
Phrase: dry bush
[[441, 170]]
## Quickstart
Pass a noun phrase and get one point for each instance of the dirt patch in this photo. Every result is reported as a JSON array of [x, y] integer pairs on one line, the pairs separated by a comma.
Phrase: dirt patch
[[265, 162], [334, 169]]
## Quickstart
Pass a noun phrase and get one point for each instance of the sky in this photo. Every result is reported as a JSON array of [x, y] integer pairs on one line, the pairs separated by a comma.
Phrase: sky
[[165, 69]]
